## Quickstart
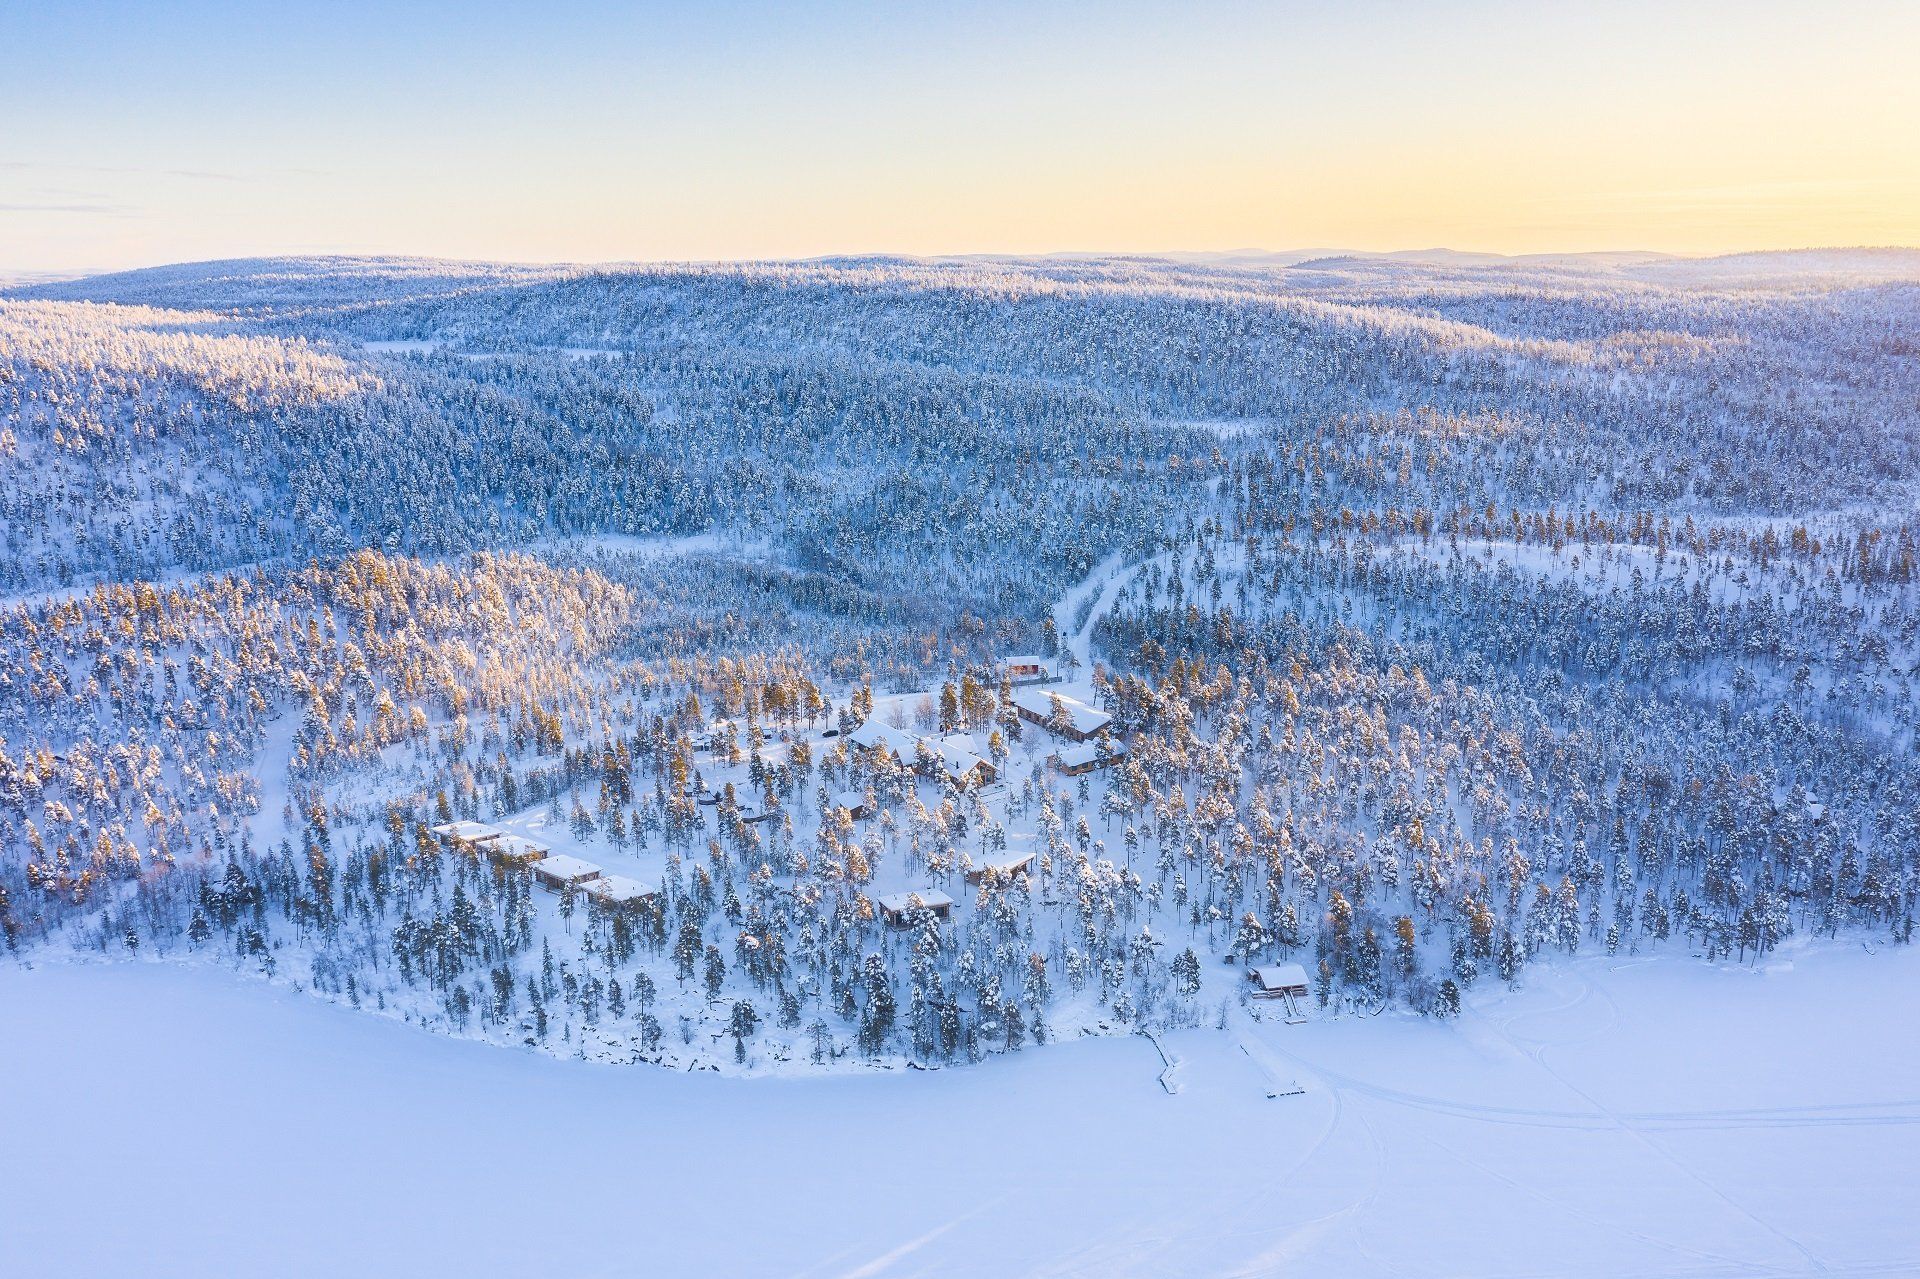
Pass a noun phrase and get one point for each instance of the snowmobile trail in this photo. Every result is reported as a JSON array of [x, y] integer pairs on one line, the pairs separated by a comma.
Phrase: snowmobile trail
[[1538, 1052]]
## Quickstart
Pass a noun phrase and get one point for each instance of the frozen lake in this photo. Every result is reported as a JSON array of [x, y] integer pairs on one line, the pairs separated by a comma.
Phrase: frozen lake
[[1616, 1117]]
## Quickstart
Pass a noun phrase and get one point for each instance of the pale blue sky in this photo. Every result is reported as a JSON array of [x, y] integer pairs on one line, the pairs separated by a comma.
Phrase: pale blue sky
[[143, 133]]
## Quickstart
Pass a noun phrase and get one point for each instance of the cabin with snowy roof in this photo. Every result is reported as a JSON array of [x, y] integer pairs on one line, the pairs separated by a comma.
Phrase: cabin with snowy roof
[[884, 739], [1086, 757], [466, 834], [963, 760], [561, 873], [853, 802], [516, 850], [897, 909], [1275, 981], [619, 892], [1027, 668], [1003, 868], [1078, 722], [959, 757]]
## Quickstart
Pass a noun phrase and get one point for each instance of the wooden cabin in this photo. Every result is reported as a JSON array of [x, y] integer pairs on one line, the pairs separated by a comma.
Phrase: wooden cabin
[[467, 835], [1082, 722], [618, 892], [963, 761], [1027, 668], [1087, 757], [897, 909], [561, 873], [1276, 981], [854, 802], [516, 850], [958, 757], [884, 739], [1005, 868]]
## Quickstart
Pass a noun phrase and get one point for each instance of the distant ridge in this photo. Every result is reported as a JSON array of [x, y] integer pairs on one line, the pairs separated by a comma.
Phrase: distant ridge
[[1787, 265], [287, 284]]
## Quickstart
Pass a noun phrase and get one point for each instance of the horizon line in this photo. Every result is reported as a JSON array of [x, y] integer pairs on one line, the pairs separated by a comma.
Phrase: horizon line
[[1302, 255]]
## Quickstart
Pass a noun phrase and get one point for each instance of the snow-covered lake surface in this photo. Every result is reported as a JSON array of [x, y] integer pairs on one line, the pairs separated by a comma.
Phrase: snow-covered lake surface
[[1616, 1117]]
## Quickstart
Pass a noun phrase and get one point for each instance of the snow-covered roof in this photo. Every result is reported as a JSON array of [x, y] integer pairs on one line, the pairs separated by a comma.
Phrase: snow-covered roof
[[619, 890], [1084, 718], [472, 832], [518, 846], [1006, 867], [873, 733], [960, 754], [1088, 753], [851, 800], [931, 898], [1280, 976], [561, 866], [1026, 659]]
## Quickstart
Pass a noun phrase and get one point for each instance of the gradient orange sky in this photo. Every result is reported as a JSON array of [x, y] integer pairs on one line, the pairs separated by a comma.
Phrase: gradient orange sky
[[590, 132]]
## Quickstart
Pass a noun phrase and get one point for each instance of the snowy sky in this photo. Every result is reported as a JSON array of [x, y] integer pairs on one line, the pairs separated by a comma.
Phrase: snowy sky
[[143, 133]]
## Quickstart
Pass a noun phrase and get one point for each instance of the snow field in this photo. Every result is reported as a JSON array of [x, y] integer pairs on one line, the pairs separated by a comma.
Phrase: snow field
[[1649, 1118]]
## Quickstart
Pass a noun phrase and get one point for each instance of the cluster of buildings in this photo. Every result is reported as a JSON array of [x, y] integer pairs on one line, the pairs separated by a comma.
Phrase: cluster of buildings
[[557, 872], [1086, 726], [962, 760], [959, 757]]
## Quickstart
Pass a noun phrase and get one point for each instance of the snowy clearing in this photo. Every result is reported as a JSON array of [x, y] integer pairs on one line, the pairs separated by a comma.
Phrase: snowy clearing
[[1653, 1118]]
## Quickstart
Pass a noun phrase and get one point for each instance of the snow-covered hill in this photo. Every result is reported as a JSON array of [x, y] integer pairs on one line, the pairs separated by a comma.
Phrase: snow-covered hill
[[1426, 623]]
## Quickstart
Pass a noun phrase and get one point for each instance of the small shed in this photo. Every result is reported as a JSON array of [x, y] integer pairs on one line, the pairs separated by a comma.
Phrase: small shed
[[1004, 868], [897, 909], [750, 811], [855, 802], [618, 892], [1275, 981], [561, 872], [517, 849]]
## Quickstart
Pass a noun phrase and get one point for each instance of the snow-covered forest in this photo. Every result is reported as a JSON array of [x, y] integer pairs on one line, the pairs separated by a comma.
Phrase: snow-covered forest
[[945, 658]]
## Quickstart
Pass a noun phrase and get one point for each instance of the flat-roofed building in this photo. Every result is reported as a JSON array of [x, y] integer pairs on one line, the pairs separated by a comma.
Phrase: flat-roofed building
[[619, 892], [1002, 868], [562, 873], [517, 849], [1086, 757], [897, 909], [466, 832]]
